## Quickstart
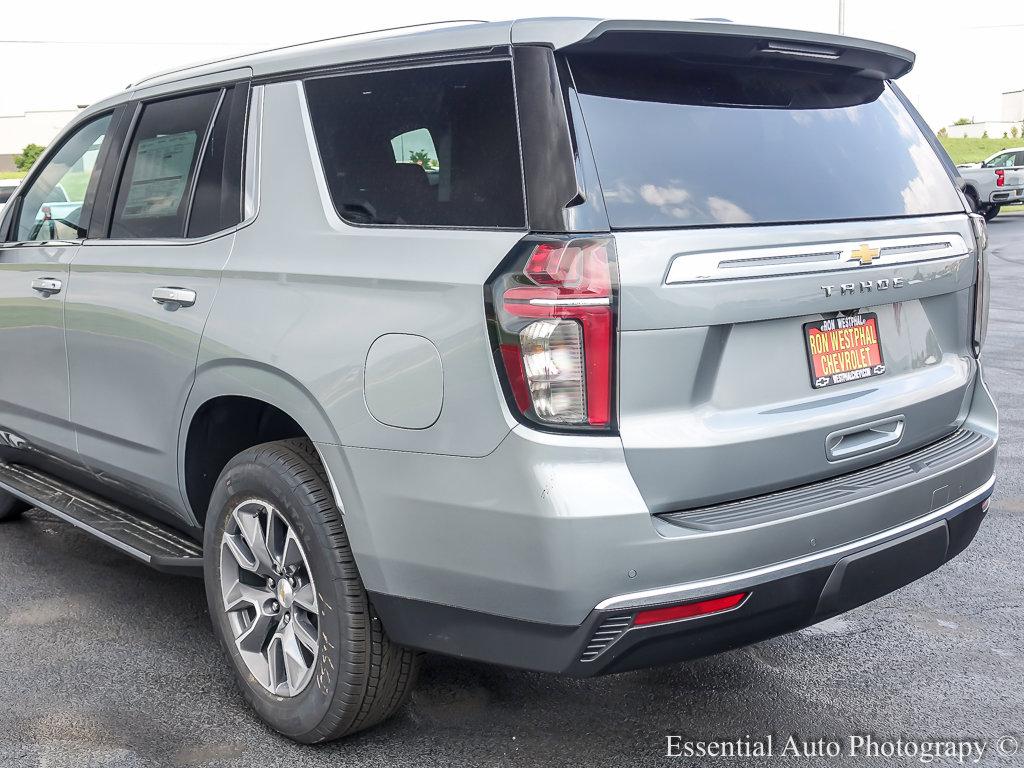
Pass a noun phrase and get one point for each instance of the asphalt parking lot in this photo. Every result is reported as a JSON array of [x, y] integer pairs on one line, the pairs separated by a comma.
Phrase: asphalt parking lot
[[106, 663]]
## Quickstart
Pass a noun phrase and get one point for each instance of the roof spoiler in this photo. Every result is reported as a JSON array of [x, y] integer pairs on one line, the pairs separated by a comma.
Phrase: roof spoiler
[[725, 41]]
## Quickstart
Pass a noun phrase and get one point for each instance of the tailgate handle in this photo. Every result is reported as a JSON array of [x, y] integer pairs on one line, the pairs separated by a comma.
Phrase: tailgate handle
[[864, 438]]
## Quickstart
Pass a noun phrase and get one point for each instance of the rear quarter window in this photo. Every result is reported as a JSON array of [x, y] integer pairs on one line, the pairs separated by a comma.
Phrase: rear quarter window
[[428, 146], [679, 144]]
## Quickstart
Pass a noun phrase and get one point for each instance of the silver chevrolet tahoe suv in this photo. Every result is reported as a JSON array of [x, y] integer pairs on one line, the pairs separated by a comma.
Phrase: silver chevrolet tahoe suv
[[570, 345]]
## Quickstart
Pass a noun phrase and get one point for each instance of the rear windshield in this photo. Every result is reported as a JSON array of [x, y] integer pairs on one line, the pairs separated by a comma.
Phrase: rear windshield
[[679, 144]]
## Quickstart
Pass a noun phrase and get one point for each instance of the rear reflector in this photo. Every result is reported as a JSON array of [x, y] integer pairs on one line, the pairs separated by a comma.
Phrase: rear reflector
[[689, 610]]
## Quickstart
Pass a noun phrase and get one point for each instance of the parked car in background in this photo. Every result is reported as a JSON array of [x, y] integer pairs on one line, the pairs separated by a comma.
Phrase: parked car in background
[[570, 345], [995, 182]]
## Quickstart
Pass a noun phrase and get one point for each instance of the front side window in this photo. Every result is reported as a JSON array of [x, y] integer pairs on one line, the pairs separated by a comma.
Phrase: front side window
[[53, 205], [153, 196], [430, 146]]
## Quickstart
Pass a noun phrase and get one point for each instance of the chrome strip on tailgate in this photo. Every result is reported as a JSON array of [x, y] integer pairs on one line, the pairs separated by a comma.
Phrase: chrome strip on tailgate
[[822, 257]]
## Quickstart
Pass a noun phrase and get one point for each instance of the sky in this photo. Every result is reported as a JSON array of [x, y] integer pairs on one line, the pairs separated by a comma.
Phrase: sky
[[967, 53]]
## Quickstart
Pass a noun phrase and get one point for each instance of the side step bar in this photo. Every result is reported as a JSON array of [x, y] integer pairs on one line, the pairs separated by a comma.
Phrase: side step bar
[[156, 545]]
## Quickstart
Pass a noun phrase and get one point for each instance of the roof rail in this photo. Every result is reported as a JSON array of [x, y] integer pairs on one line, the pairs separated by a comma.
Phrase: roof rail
[[227, 59]]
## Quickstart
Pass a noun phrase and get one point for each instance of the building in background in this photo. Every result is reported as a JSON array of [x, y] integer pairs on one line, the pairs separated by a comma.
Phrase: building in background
[[36, 127], [1013, 106], [1012, 117]]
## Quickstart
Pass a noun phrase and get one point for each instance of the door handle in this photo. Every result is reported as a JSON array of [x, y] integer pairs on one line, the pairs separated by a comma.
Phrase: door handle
[[174, 297], [47, 285], [864, 438]]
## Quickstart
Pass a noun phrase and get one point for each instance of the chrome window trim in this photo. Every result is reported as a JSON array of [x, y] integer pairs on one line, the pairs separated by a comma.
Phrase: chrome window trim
[[780, 261], [697, 589], [41, 244], [253, 155]]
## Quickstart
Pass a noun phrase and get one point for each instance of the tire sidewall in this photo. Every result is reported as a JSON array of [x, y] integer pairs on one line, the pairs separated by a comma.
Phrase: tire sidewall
[[246, 478]]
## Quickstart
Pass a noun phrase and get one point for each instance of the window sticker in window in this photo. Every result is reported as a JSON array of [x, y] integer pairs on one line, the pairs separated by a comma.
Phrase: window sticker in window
[[160, 175]]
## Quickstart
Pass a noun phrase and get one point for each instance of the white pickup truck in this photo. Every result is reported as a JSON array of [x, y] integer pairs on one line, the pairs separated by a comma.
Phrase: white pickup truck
[[997, 181]]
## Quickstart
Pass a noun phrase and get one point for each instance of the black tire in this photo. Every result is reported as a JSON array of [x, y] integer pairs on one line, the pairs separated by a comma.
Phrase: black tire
[[360, 677], [11, 507], [990, 212], [972, 198]]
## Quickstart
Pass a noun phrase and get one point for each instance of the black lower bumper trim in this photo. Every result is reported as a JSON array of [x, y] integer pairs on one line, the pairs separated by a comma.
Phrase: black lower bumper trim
[[773, 608]]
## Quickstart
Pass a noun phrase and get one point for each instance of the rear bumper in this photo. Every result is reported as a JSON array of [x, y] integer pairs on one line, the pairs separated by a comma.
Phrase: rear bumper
[[1003, 196], [786, 597], [518, 557]]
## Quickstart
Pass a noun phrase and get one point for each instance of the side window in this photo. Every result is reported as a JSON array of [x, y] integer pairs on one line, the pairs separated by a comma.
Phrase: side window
[[427, 146], [217, 203], [153, 195], [1020, 159], [1004, 160], [52, 207]]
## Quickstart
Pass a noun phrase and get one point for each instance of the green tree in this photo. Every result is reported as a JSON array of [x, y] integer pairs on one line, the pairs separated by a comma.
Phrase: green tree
[[984, 134], [28, 156], [963, 121], [1014, 132], [942, 133], [422, 157]]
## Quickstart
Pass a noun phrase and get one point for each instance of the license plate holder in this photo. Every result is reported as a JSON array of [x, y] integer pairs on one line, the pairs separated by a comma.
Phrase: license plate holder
[[843, 349]]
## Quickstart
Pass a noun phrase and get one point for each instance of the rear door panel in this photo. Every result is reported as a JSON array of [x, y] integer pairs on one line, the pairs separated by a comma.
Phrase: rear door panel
[[715, 396]]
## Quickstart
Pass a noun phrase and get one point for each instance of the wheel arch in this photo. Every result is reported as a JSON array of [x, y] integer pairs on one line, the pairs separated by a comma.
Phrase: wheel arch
[[246, 403]]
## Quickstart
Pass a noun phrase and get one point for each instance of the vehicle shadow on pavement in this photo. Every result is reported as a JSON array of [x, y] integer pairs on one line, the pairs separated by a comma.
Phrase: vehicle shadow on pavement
[[108, 663]]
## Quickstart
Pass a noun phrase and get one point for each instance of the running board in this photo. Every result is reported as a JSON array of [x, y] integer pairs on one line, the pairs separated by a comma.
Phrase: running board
[[154, 544]]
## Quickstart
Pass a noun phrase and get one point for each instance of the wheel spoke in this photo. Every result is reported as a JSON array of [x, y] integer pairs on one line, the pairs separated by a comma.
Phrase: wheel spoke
[[294, 663], [305, 597], [239, 596], [255, 637], [275, 664], [251, 528], [277, 531], [240, 551], [292, 552], [304, 632]]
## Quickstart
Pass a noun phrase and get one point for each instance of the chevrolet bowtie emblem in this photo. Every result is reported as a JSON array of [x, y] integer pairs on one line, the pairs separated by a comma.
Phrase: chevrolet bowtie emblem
[[864, 255]]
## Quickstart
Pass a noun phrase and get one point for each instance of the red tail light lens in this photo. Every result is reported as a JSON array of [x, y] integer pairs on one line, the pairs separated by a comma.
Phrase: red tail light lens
[[554, 321], [689, 610], [1000, 177]]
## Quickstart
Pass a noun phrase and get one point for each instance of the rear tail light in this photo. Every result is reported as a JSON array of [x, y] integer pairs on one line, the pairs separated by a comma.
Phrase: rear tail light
[[1000, 177], [552, 309], [689, 610], [981, 283]]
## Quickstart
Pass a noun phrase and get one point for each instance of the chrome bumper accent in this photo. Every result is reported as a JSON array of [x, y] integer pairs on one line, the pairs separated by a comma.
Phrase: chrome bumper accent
[[695, 589]]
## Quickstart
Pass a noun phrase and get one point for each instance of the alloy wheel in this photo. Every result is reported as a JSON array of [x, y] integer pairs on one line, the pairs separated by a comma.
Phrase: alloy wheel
[[270, 598]]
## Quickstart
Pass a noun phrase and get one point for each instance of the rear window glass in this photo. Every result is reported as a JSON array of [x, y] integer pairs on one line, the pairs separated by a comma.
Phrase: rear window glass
[[678, 144], [430, 146]]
